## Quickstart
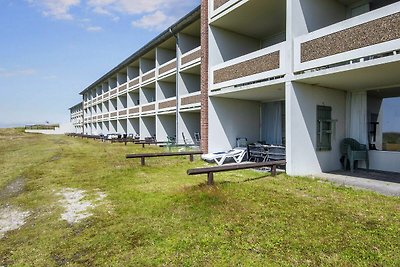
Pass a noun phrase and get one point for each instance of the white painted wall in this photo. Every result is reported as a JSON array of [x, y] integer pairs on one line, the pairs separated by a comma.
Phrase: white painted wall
[[301, 128], [146, 65], [311, 15], [133, 72], [230, 119], [147, 127], [166, 126], [225, 45], [133, 126], [189, 123], [189, 83], [63, 129], [188, 42], [164, 55], [165, 90], [122, 126], [384, 160]]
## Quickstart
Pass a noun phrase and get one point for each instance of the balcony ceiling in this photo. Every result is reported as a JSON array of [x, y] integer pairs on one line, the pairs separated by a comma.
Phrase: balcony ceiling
[[273, 92], [257, 18], [353, 79], [193, 29]]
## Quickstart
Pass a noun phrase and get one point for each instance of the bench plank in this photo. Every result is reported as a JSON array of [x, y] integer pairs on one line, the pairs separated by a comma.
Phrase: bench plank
[[143, 156], [210, 170]]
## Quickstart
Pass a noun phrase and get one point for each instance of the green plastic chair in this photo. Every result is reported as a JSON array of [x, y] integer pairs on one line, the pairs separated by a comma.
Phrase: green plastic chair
[[353, 151]]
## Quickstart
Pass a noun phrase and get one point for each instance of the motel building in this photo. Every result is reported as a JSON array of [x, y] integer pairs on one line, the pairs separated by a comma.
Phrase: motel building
[[303, 74]]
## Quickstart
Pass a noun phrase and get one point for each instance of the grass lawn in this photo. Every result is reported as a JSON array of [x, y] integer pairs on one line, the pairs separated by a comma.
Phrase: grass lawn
[[157, 215]]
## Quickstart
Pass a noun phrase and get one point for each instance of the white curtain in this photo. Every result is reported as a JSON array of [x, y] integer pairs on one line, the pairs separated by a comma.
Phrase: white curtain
[[272, 122], [356, 109]]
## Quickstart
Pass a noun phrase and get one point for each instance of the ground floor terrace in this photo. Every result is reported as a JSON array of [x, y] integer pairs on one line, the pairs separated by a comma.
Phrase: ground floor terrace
[[312, 113], [182, 128]]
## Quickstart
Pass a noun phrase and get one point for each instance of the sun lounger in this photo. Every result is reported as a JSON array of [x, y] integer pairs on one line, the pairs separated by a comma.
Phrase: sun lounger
[[237, 154]]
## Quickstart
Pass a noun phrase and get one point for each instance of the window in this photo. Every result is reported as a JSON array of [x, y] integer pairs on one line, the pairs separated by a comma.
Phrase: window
[[384, 119], [324, 128]]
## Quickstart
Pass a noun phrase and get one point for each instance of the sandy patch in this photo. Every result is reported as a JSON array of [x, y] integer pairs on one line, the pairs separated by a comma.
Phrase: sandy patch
[[76, 207], [11, 219]]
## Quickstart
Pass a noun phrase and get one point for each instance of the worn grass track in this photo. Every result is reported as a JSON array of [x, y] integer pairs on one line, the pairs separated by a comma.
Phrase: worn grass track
[[157, 215]]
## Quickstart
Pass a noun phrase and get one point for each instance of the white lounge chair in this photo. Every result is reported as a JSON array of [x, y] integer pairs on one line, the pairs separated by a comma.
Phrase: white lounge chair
[[237, 154]]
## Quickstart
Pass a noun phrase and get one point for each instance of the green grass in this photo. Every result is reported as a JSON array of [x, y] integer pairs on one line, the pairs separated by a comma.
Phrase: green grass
[[157, 215]]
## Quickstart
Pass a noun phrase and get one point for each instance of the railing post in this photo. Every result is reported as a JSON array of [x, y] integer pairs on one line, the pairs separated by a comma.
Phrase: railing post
[[142, 161], [273, 170], [210, 178], [191, 157]]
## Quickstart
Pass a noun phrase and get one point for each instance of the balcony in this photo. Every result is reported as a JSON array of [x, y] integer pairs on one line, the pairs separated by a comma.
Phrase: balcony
[[149, 108], [123, 113], [122, 88], [372, 35], [113, 93], [167, 105], [134, 83], [133, 112], [191, 101], [149, 76], [167, 68], [264, 64], [191, 58]]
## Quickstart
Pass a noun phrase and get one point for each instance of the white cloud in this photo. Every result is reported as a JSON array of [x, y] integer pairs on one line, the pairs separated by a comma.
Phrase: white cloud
[[154, 21], [58, 9], [94, 29], [18, 72]]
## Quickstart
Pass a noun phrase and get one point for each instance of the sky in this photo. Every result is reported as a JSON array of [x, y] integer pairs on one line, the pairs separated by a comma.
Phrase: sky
[[50, 50]]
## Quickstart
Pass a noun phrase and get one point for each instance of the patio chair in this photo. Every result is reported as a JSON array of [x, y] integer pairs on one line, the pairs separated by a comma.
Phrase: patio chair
[[196, 138], [257, 153], [353, 151], [236, 154]]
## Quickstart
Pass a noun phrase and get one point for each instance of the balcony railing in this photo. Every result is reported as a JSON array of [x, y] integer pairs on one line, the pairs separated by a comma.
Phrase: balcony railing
[[133, 111], [167, 67], [148, 108], [376, 32], [169, 103], [263, 64], [122, 88], [191, 57], [191, 99], [218, 6], [123, 112], [149, 75], [134, 83]]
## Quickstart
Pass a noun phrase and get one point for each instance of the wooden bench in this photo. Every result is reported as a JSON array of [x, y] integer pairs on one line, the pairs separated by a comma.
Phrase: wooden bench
[[162, 154], [231, 167]]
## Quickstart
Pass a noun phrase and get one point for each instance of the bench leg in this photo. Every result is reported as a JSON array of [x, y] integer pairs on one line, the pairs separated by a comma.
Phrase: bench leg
[[273, 170], [142, 145], [210, 178], [191, 157], [142, 161]]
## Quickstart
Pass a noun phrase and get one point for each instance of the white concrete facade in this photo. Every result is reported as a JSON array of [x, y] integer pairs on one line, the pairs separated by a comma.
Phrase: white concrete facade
[[291, 36], [151, 93], [272, 64], [76, 118]]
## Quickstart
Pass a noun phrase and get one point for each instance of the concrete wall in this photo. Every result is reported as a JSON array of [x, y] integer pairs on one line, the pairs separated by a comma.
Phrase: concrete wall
[[147, 127], [189, 123], [133, 126], [230, 119], [225, 45], [189, 83], [63, 129], [301, 128], [311, 15], [166, 126]]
